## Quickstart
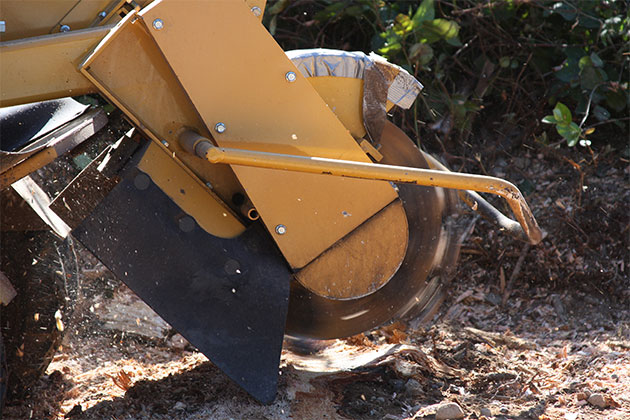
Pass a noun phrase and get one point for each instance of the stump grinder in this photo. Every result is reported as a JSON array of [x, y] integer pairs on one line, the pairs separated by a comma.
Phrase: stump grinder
[[260, 194]]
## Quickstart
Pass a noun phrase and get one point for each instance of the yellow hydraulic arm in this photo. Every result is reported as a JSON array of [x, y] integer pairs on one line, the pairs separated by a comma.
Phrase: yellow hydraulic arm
[[202, 147]]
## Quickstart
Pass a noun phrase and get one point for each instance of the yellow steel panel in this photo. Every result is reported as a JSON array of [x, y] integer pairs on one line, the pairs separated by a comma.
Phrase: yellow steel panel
[[344, 96], [188, 193], [42, 68], [131, 71], [234, 73], [41, 17]]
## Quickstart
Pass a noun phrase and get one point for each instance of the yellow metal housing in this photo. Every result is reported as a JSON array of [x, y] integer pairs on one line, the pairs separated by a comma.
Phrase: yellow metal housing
[[260, 108]]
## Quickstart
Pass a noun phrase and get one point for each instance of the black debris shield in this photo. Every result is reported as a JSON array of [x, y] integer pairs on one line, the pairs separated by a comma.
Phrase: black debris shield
[[228, 297]]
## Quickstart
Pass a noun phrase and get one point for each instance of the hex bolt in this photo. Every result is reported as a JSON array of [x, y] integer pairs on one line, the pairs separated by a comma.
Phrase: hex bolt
[[290, 76], [256, 11], [220, 127], [64, 28], [281, 229], [158, 24]]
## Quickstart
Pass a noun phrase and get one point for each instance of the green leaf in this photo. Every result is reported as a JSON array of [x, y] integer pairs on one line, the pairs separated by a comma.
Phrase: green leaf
[[597, 62], [591, 76], [390, 49], [421, 53], [567, 12], [330, 12], [601, 113], [570, 71], [426, 11], [616, 99], [436, 29], [570, 132], [585, 62], [549, 119], [403, 25], [589, 22], [562, 114], [454, 41], [278, 7]]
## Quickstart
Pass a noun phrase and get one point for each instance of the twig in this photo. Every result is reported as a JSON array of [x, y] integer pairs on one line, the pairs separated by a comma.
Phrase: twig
[[469, 229], [590, 101], [512, 382], [515, 273], [516, 82], [609, 121]]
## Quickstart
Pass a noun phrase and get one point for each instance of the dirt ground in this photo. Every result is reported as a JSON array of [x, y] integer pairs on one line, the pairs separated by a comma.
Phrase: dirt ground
[[525, 333]]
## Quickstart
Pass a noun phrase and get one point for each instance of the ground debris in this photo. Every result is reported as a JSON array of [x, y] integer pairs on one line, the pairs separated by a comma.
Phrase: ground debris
[[122, 380], [602, 401], [448, 411], [496, 339], [561, 337]]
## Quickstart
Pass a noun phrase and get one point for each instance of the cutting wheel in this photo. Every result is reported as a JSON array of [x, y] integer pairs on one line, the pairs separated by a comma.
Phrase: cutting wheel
[[416, 287]]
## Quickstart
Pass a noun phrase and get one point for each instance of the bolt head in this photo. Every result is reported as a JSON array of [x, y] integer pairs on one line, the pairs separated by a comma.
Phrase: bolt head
[[158, 24], [220, 128], [281, 229], [102, 14], [290, 76], [256, 11], [64, 28]]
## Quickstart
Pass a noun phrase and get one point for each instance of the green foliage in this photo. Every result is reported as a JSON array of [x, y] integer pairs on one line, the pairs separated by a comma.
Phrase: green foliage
[[563, 120], [509, 61]]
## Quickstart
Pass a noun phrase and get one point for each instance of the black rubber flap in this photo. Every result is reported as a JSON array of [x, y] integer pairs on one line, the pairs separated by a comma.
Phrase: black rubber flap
[[228, 297], [21, 124]]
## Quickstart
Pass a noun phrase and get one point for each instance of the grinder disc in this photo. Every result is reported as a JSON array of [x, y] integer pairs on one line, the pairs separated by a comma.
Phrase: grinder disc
[[416, 288]]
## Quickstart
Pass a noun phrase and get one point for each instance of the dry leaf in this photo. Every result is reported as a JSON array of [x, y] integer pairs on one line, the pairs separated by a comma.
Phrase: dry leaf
[[122, 380], [611, 401], [359, 340]]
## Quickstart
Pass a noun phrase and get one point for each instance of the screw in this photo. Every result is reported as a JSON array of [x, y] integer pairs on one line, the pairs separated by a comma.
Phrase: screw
[[256, 11], [64, 28], [158, 24], [220, 128], [290, 76], [281, 229], [102, 14]]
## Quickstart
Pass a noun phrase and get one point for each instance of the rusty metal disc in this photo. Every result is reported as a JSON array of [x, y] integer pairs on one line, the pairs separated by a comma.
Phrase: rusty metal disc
[[417, 286]]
